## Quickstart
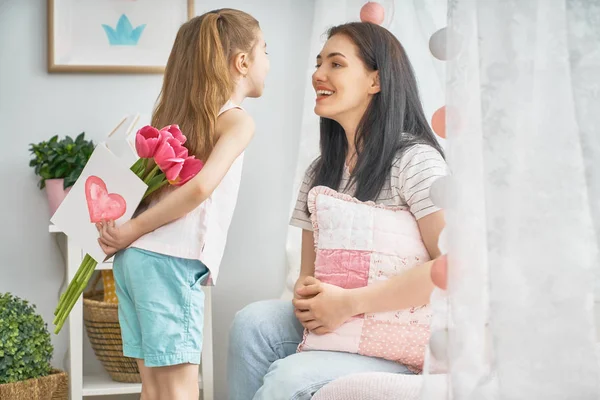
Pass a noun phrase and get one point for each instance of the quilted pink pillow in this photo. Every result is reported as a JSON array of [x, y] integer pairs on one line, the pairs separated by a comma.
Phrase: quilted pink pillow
[[358, 244]]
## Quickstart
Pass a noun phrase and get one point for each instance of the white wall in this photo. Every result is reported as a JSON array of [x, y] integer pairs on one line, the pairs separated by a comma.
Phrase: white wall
[[34, 105]]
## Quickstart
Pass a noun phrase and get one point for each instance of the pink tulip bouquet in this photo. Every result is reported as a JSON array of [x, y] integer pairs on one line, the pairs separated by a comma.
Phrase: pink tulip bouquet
[[172, 165]]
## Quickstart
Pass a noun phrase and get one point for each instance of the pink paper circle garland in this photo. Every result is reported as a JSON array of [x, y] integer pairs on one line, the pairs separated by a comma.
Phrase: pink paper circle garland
[[438, 122], [372, 12], [445, 44], [438, 44]]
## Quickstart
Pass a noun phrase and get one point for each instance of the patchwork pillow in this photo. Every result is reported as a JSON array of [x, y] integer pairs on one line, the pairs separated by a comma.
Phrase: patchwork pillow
[[359, 244]]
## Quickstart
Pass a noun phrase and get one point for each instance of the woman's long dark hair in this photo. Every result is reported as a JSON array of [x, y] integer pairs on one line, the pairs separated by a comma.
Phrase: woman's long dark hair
[[393, 121]]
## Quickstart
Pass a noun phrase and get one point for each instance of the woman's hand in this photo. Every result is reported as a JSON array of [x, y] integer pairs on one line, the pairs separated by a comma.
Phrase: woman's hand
[[320, 307], [113, 238], [300, 284], [439, 272]]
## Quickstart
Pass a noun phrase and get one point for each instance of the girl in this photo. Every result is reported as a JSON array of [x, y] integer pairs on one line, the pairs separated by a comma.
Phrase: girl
[[376, 145], [218, 59]]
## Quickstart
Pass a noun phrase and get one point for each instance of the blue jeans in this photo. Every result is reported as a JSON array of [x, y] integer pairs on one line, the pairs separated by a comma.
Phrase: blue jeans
[[263, 363]]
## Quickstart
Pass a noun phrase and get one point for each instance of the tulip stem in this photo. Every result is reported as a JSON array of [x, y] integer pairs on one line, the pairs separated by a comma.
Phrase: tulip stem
[[155, 188], [151, 174], [139, 166]]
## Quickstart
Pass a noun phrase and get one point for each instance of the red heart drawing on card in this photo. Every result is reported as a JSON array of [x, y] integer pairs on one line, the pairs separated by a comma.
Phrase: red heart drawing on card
[[103, 206]]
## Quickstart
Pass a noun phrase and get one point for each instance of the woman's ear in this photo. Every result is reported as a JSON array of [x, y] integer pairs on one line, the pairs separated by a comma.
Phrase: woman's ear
[[375, 86], [241, 63]]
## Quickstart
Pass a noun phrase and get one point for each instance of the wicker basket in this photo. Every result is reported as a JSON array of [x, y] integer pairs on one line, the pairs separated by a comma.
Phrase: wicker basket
[[52, 387], [102, 325]]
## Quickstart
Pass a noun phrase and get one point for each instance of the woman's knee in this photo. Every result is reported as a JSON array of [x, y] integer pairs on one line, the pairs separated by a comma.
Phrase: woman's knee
[[255, 320], [285, 380]]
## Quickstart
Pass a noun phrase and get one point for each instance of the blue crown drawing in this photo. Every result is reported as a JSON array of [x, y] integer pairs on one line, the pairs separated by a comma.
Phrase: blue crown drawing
[[124, 35]]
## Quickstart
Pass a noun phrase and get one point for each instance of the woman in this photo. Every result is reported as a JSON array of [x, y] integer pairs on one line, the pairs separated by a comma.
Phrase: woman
[[376, 145]]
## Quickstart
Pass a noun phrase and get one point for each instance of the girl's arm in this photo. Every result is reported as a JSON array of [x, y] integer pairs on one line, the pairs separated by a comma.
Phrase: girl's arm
[[236, 128]]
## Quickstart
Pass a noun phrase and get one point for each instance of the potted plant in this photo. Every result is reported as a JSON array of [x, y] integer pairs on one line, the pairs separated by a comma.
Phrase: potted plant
[[25, 354], [59, 163]]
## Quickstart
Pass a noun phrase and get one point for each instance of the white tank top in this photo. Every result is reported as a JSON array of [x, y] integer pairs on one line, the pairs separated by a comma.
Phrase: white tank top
[[202, 233]]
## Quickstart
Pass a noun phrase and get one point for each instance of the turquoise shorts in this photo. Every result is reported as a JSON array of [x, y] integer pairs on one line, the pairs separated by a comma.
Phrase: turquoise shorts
[[161, 307]]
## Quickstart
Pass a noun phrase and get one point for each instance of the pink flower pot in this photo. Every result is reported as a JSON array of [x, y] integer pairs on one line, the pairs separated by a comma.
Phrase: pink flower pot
[[56, 194]]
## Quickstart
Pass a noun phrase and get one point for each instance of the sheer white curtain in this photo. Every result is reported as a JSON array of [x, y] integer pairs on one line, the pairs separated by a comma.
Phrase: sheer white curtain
[[413, 22], [523, 203], [523, 103]]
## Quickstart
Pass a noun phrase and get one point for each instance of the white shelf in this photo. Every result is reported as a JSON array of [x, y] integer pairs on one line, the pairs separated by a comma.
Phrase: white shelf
[[102, 385], [106, 265]]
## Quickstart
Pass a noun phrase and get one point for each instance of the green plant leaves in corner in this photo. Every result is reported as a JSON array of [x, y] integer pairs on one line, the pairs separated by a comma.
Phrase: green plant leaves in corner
[[60, 159], [25, 346]]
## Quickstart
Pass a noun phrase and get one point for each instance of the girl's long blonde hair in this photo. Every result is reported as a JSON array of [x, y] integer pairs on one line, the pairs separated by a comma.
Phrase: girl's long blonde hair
[[197, 80]]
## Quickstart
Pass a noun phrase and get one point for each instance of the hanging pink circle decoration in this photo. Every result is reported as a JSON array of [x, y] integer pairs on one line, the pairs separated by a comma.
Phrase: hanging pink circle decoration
[[438, 122], [372, 12]]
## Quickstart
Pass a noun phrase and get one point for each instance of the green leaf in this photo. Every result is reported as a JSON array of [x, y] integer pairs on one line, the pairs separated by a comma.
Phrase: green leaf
[[68, 182], [157, 180], [80, 138], [75, 174], [60, 172], [45, 173]]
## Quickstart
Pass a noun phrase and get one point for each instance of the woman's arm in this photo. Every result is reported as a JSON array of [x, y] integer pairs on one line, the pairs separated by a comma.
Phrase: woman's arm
[[325, 307], [237, 129], [307, 259], [307, 270], [411, 289]]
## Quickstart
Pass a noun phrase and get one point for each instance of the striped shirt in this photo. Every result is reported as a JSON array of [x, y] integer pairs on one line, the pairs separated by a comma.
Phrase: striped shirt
[[408, 185]]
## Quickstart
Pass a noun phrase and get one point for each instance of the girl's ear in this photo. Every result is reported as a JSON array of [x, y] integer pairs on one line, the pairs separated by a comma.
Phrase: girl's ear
[[241, 63]]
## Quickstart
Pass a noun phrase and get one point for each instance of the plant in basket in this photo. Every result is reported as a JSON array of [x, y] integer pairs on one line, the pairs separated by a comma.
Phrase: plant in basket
[[25, 352]]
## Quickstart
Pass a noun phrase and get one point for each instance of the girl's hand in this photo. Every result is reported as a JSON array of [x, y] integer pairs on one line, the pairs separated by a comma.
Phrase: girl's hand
[[113, 238], [323, 307]]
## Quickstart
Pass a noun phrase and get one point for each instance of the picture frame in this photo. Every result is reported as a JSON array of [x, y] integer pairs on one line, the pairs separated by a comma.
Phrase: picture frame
[[113, 36]]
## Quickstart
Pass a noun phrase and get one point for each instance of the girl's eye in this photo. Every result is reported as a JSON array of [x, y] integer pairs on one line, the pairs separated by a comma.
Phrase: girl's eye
[[335, 65], [317, 66]]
